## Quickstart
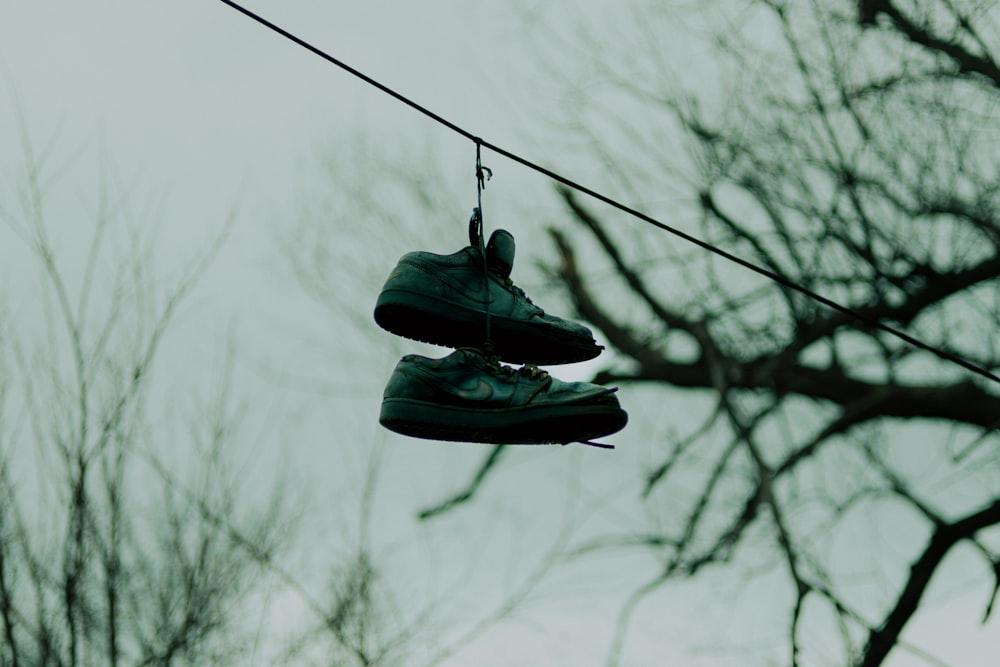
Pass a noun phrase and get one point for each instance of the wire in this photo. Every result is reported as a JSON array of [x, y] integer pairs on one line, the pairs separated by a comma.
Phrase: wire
[[480, 142]]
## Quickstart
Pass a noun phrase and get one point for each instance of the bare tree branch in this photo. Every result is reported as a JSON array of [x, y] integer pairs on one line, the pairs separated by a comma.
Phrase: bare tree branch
[[466, 494], [881, 641]]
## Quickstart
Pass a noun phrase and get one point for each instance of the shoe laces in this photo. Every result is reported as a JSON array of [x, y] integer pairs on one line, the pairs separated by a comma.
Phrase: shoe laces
[[530, 371], [517, 290]]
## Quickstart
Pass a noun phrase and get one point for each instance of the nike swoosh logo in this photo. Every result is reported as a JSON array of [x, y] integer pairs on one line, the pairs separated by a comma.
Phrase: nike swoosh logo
[[480, 391], [473, 289]]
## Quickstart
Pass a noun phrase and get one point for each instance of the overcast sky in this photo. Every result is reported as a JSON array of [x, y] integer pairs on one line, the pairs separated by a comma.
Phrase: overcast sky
[[201, 112], [195, 111]]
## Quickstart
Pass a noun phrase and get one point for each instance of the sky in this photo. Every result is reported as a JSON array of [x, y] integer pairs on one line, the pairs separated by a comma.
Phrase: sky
[[197, 114], [200, 115]]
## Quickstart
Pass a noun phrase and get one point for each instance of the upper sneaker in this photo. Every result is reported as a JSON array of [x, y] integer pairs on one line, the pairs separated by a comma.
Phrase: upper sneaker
[[466, 396], [443, 299]]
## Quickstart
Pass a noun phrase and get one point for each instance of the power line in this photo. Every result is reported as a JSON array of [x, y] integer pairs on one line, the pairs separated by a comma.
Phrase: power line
[[781, 280]]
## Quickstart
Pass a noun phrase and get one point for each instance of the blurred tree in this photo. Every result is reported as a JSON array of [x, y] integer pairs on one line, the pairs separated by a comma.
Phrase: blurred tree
[[857, 157], [109, 555], [852, 148]]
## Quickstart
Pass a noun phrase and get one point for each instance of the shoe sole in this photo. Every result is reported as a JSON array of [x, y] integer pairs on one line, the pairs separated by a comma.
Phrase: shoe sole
[[427, 319], [526, 425]]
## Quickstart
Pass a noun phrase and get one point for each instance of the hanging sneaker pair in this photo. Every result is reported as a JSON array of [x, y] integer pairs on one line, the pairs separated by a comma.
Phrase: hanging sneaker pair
[[460, 301]]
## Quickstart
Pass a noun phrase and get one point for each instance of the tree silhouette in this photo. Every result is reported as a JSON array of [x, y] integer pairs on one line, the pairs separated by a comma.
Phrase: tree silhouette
[[853, 152], [867, 173], [109, 554]]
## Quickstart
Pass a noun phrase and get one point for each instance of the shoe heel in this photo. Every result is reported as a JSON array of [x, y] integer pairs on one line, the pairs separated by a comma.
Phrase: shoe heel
[[421, 317]]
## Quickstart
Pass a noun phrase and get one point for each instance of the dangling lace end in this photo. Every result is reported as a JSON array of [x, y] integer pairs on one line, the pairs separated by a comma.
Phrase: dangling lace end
[[599, 445]]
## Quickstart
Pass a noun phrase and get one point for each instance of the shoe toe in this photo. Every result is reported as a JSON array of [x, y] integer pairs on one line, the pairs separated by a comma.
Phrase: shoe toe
[[579, 392], [571, 328]]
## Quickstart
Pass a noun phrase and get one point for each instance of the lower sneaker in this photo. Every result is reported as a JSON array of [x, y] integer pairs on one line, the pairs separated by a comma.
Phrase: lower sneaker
[[444, 299], [467, 397]]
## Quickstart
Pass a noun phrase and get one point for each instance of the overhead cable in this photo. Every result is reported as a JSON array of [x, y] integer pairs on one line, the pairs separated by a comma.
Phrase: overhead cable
[[781, 280]]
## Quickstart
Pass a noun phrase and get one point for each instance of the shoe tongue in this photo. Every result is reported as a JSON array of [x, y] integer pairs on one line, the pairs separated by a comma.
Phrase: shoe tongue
[[500, 253]]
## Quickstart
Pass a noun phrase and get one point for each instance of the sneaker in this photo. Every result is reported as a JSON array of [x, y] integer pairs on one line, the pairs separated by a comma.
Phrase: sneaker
[[442, 299], [466, 396]]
